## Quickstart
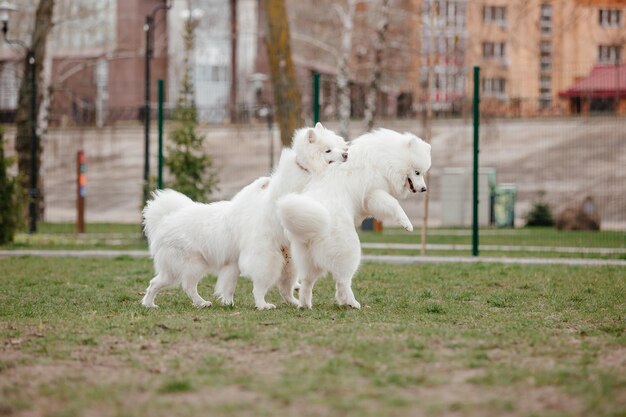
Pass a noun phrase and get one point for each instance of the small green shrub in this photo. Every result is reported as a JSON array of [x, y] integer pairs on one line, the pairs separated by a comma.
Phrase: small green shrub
[[10, 206], [540, 215]]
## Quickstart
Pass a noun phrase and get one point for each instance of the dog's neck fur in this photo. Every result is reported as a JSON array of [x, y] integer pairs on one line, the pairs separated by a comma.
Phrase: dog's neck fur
[[301, 166]]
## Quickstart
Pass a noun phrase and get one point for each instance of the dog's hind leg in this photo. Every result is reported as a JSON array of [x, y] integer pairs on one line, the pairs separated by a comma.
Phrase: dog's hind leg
[[190, 280], [344, 294], [263, 265], [287, 282], [226, 284], [259, 291], [158, 283]]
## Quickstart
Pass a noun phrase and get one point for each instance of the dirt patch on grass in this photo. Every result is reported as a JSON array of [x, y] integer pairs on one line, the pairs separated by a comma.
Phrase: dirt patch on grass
[[613, 358]]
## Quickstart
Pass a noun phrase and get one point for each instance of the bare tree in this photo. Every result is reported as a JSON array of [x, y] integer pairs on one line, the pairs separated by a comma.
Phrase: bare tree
[[428, 121], [287, 98], [41, 30], [343, 90], [374, 86]]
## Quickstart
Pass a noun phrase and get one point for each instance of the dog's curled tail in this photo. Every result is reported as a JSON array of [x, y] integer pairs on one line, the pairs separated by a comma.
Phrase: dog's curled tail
[[163, 202], [303, 217]]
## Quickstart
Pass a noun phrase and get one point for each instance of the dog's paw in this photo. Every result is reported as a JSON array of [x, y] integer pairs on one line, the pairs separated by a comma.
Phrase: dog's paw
[[203, 304], [351, 303], [149, 305], [407, 225], [266, 306], [293, 301], [226, 301]]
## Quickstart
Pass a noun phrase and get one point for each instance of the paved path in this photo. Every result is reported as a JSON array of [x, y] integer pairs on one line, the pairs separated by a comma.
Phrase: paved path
[[391, 259], [502, 248]]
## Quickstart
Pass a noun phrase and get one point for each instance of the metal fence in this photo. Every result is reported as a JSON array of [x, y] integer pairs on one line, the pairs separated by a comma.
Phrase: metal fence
[[569, 156]]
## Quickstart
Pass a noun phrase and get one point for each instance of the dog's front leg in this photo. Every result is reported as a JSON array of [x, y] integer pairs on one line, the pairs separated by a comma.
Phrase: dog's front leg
[[383, 205]]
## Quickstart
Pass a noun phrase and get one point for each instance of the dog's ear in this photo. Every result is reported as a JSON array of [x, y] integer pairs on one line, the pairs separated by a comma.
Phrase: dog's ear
[[414, 142], [318, 126], [311, 135]]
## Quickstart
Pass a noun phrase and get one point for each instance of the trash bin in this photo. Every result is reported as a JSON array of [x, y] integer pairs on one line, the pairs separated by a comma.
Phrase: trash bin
[[504, 205], [372, 224]]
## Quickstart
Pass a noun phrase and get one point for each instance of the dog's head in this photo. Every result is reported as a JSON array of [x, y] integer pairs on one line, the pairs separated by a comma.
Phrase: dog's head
[[406, 160], [317, 148], [419, 164]]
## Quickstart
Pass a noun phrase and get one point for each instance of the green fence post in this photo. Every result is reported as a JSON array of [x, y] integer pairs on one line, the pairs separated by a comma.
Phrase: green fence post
[[160, 172], [476, 108], [316, 97]]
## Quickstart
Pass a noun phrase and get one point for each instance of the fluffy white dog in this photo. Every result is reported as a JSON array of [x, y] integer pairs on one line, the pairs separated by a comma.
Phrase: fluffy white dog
[[188, 240], [384, 165]]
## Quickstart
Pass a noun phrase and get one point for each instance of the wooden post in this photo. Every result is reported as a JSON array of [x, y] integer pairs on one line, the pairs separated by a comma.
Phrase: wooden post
[[81, 191]]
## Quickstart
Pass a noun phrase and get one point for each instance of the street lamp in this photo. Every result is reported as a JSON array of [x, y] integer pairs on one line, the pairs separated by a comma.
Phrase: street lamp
[[148, 27], [6, 9]]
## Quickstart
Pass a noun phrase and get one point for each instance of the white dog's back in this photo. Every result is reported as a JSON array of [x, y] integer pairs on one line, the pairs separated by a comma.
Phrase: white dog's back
[[163, 203]]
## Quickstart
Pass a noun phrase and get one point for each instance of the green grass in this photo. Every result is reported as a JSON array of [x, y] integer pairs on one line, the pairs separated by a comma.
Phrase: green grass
[[58, 236], [432, 340], [529, 236]]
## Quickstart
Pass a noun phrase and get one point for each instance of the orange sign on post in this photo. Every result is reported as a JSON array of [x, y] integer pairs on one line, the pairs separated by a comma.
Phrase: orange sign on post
[[81, 190]]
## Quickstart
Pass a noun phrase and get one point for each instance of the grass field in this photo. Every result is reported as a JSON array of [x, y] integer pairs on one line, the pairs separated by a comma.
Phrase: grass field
[[494, 242], [433, 340]]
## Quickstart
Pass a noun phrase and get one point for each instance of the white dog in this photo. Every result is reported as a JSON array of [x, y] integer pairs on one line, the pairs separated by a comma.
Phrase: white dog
[[384, 165], [188, 240]]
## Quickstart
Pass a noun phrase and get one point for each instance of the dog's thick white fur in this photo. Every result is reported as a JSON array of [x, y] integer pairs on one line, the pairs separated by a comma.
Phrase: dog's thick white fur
[[320, 222], [243, 236]]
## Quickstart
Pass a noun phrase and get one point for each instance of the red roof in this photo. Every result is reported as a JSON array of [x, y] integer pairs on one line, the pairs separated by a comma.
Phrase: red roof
[[606, 80]]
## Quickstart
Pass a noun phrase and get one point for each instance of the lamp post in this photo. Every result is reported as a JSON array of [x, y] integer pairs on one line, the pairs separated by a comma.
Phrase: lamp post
[[148, 27], [6, 9]]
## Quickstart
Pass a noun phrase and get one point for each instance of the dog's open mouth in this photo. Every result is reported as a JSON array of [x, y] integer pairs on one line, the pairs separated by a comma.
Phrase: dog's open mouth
[[411, 186]]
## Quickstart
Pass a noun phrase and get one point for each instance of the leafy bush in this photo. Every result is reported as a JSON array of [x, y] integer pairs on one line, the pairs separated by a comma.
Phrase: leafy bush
[[10, 205], [191, 168], [540, 215]]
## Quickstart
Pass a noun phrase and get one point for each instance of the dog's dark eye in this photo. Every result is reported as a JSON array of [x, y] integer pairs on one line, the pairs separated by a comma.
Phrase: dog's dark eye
[[417, 172], [328, 151]]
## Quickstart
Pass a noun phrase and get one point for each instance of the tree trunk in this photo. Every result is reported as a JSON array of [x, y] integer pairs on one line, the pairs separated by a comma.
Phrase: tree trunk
[[429, 115], [43, 25], [233, 61], [374, 87], [287, 98], [343, 90]]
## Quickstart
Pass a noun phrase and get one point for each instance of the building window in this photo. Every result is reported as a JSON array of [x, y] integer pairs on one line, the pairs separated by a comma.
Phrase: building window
[[545, 102], [610, 17], [545, 19], [609, 53], [9, 85], [545, 91], [494, 87], [494, 50], [212, 73], [494, 14], [545, 55]]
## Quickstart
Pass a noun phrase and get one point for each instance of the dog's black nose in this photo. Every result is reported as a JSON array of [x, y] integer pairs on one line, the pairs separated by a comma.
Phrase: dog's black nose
[[345, 156], [423, 189]]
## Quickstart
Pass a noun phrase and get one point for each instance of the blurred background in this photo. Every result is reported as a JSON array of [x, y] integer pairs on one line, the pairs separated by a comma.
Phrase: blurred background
[[552, 87]]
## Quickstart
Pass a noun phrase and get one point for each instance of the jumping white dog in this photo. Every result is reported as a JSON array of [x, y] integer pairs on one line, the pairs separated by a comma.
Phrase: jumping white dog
[[188, 240], [383, 165]]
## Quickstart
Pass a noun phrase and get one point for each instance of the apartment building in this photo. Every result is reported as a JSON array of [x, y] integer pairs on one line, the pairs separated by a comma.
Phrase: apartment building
[[536, 56], [96, 59]]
